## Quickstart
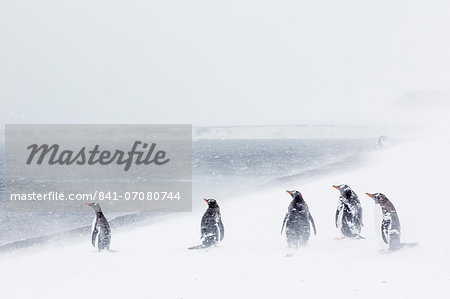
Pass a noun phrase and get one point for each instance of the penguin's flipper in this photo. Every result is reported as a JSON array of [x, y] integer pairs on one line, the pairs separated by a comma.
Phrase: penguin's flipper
[[358, 219], [203, 231], [94, 236], [313, 225], [104, 238], [221, 229], [360, 216], [284, 223], [336, 218], [384, 230]]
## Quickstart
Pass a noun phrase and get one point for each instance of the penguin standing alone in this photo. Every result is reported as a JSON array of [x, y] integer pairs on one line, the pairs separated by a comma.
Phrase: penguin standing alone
[[390, 225], [297, 221], [348, 213], [212, 230], [101, 232]]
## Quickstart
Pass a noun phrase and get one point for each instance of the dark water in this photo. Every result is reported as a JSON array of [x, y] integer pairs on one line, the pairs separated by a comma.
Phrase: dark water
[[224, 167], [221, 168]]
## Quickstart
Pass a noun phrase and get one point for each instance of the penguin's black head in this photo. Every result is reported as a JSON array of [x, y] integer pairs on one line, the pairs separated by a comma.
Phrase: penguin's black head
[[212, 203], [345, 190], [379, 198], [295, 194], [95, 206]]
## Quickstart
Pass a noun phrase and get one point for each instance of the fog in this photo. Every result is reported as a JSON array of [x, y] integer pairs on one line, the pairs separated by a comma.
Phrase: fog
[[354, 68], [231, 63]]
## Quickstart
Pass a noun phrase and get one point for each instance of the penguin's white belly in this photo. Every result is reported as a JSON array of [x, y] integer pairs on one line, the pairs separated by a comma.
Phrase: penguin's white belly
[[339, 221], [378, 219], [93, 225]]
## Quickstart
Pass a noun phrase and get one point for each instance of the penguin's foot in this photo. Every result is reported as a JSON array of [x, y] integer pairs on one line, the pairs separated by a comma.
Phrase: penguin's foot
[[400, 246], [201, 246], [339, 238], [105, 250], [289, 254]]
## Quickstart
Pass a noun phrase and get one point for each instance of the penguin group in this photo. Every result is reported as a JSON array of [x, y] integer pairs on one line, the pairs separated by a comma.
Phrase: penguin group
[[348, 219], [297, 222]]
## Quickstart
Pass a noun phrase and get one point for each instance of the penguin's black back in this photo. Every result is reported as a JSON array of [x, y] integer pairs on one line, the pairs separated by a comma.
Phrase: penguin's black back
[[209, 219], [348, 217], [297, 223], [351, 219], [212, 229], [101, 232]]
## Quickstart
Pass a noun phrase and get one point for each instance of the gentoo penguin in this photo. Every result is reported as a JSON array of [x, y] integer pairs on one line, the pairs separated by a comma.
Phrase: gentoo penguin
[[348, 213], [297, 221], [101, 232], [390, 225], [212, 230]]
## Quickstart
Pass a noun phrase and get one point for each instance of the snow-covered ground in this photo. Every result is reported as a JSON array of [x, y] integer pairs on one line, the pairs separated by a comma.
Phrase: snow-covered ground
[[153, 261]]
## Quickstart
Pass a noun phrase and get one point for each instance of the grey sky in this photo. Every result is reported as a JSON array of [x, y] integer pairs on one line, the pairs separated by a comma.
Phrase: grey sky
[[217, 63]]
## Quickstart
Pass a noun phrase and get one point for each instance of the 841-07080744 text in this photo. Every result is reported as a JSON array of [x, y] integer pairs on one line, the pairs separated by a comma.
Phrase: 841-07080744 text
[[135, 195]]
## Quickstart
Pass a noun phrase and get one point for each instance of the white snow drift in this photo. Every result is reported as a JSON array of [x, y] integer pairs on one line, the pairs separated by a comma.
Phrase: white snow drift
[[253, 261]]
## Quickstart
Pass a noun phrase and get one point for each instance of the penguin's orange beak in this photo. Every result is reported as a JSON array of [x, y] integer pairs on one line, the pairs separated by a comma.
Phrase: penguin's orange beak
[[205, 199], [89, 204], [368, 194], [334, 186], [287, 191]]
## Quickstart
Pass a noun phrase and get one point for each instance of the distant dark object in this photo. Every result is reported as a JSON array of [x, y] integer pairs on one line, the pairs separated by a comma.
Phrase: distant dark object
[[390, 225], [383, 141], [297, 221], [212, 230], [101, 232], [348, 213]]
